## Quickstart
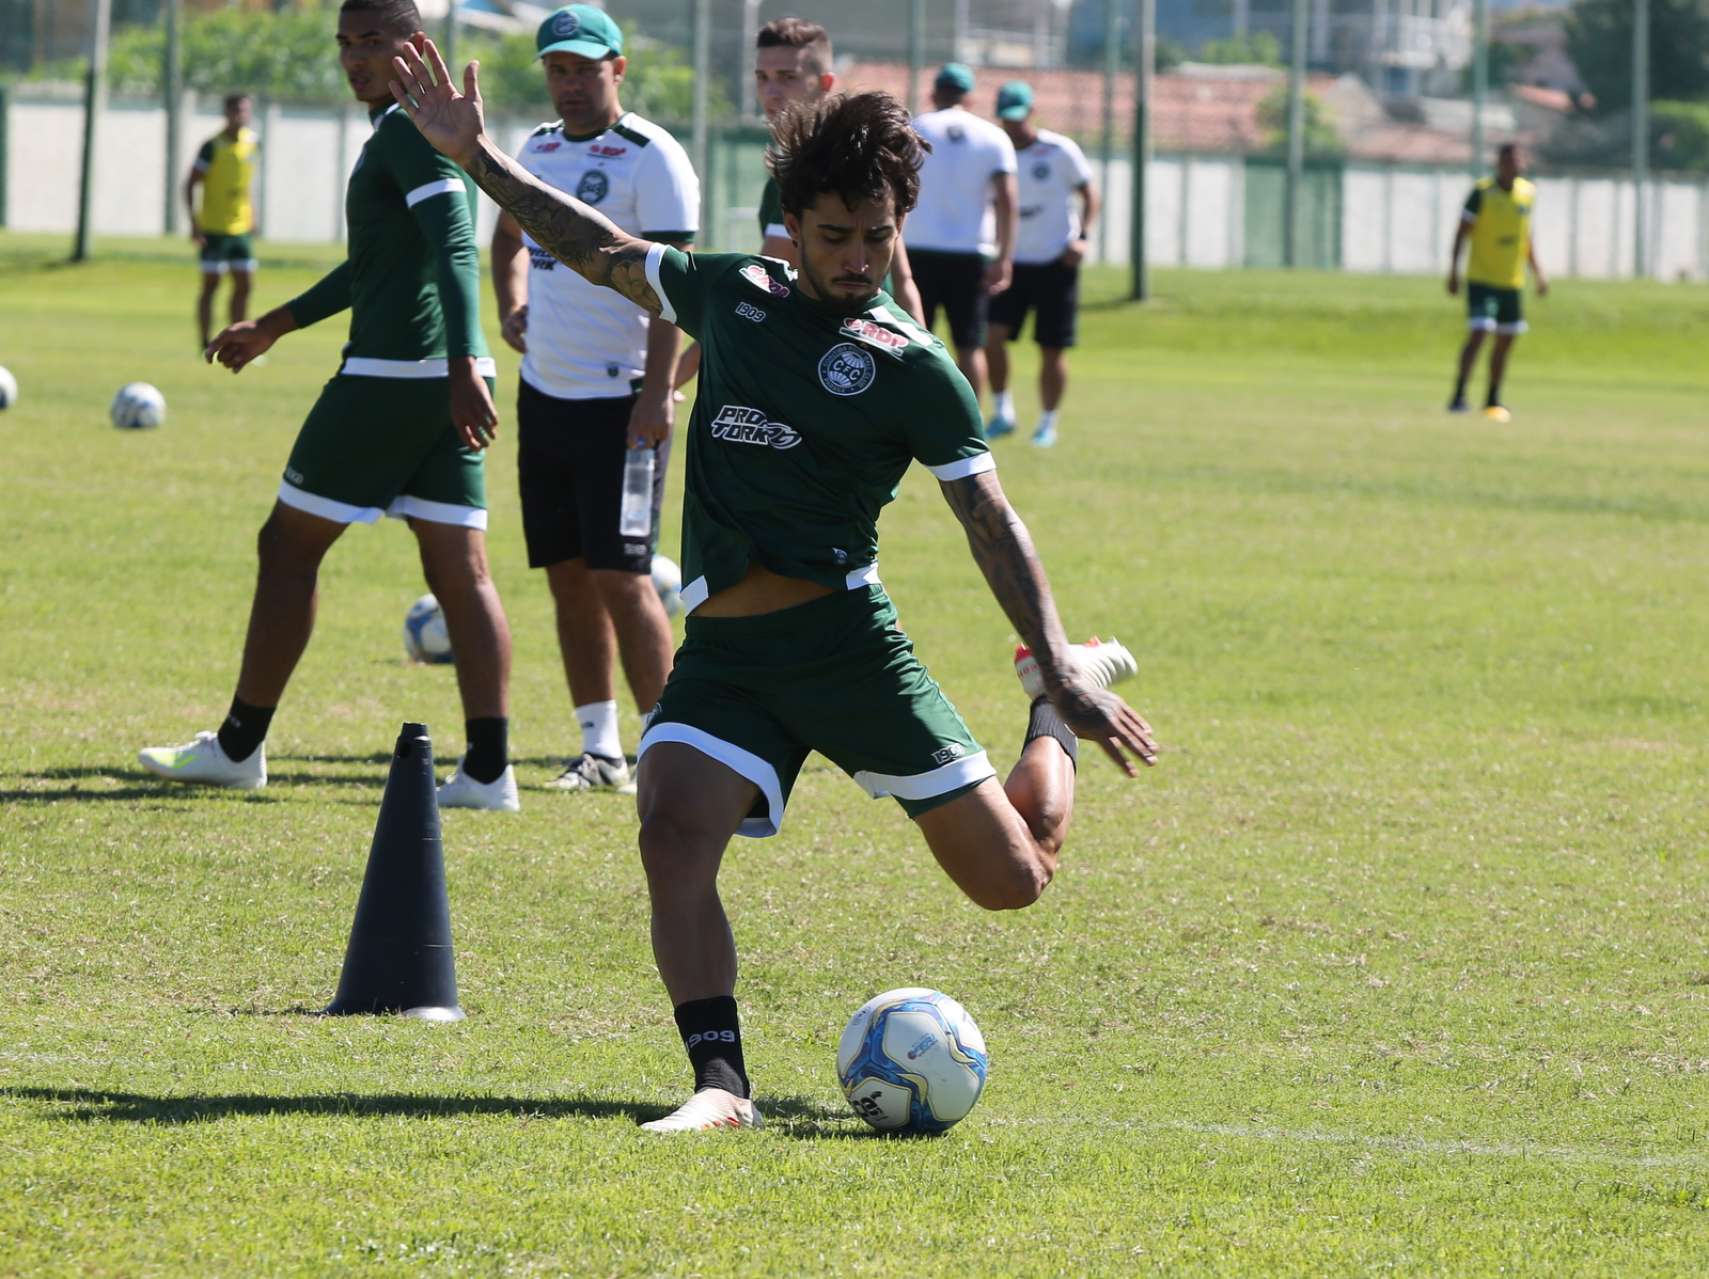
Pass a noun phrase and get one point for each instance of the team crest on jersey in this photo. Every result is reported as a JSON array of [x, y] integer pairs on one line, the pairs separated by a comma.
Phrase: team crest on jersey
[[864, 330], [846, 370], [756, 275], [956, 133], [1041, 171], [742, 425], [748, 311], [593, 187]]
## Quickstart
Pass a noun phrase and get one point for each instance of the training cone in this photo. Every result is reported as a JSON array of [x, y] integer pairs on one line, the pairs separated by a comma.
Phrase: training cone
[[399, 958]]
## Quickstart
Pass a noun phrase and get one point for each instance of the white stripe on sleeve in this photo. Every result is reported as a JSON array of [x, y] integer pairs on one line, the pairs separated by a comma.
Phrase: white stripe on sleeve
[[960, 469], [667, 312], [445, 186]]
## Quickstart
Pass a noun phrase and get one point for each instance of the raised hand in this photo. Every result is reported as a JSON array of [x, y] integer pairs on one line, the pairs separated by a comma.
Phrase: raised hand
[[452, 122]]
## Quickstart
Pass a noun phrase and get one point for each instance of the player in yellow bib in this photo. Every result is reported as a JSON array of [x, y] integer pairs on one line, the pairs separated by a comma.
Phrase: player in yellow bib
[[1497, 221], [225, 169]]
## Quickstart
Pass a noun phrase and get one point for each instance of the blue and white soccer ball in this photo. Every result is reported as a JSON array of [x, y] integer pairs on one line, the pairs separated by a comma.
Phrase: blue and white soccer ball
[[912, 1060], [8, 389], [667, 581], [138, 406], [425, 637]]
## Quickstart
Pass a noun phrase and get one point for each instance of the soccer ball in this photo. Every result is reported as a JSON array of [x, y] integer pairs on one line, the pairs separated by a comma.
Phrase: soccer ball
[[912, 1060], [8, 389], [137, 406], [425, 636], [667, 581]]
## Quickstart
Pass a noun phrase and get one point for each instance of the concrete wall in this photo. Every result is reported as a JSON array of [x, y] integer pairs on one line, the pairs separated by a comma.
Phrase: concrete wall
[[1393, 218]]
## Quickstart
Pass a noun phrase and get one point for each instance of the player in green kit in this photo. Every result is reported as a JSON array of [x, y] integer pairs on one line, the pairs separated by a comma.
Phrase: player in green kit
[[815, 397], [399, 431]]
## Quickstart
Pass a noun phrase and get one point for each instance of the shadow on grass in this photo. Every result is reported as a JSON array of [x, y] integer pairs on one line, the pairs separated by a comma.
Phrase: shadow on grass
[[792, 1116], [54, 784]]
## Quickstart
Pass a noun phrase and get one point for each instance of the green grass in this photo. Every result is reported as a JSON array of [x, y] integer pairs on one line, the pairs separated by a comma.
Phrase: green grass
[[1396, 964]]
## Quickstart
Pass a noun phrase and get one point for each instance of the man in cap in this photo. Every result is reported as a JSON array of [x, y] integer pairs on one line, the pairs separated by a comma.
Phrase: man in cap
[[595, 383], [1057, 206], [961, 235]]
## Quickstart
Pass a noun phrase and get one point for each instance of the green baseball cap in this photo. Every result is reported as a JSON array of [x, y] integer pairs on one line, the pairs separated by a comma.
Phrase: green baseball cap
[[956, 75], [1015, 100], [579, 29]]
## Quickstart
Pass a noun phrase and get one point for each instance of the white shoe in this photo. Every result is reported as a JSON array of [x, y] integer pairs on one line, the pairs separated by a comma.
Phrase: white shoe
[[595, 772], [498, 795], [204, 762], [1099, 662], [709, 1108]]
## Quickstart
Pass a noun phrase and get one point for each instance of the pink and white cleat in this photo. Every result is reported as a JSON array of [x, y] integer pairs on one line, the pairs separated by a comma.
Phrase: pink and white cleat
[[707, 1109], [1098, 662]]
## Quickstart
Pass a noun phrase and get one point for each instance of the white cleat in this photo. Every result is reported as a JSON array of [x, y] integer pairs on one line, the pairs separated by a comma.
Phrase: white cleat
[[707, 1109], [498, 795], [595, 772], [1098, 662], [203, 762]]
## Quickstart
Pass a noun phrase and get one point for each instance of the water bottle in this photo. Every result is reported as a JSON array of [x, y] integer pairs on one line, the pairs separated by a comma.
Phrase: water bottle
[[635, 518]]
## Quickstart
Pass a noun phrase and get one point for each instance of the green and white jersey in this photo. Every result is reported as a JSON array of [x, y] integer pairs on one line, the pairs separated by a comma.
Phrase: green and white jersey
[[804, 423], [412, 275], [771, 212]]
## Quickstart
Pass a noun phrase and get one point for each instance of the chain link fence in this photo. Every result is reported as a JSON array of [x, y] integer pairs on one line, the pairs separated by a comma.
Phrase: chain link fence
[[1400, 104]]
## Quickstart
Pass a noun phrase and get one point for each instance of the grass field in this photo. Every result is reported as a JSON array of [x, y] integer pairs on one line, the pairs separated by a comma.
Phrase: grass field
[[1397, 963]]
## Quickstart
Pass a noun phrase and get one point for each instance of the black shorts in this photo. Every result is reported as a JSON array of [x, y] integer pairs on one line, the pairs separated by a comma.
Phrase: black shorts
[[1050, 287], [955, 282], [569, 464]]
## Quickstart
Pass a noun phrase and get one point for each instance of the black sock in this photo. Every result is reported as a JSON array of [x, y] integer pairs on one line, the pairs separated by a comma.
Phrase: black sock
[[712, 1033], [1494, 395], [489, 747], [1460, 391], [1045, 722], [244, 729]]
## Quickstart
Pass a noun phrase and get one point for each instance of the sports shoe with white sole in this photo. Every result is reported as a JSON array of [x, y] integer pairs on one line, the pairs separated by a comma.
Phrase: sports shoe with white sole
[[203, 762], [707, 1109], [1099, 662], [999, 426], [1044, 437], [498, 795], [595, 772]]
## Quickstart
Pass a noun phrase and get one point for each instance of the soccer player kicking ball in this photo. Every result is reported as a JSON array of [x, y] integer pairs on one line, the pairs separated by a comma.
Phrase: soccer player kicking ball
[[398, 431], [1497, 220], [815, 396]]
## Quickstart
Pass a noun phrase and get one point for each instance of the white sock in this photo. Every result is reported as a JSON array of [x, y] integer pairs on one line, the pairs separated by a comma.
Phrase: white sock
[[1047, 420], [1005, 403], [599, 729]]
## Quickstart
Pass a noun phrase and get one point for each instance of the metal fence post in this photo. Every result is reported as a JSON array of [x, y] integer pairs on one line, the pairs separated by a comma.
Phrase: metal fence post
[[702, 29], [1145, 57], [94, 107], [1107, 138], [1296, 137], [171, 84], [1480, 80], [1640, 134]]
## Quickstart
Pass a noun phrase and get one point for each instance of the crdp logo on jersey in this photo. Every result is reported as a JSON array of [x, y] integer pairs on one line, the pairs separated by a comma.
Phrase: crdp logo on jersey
[[1041, 170], [593, 187], [846, 370], [741, 425], [756, 275], [864, 330]]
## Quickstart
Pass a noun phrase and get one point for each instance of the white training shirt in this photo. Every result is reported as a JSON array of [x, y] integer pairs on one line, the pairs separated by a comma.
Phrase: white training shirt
[[1052, 170], [586, 342], [955, 213]]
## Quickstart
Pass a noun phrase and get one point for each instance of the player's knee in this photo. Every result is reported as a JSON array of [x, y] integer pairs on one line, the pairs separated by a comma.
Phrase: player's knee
[[279, 553], [675, 852], [1021, 882]]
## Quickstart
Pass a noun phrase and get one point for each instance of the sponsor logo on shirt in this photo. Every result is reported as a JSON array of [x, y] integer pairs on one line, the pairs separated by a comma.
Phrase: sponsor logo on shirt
[[748, 311], [741, 425], [541, 260], [756, 275], [548, 146], [606, 149], [593, 187], [864, 330], [846, 370]]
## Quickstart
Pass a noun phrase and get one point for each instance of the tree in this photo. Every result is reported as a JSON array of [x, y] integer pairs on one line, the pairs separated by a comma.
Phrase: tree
[[1321, 137], [1599, 38]]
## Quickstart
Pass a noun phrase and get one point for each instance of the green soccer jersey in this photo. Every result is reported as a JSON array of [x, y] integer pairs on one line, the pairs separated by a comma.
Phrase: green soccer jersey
[[412, 275], [804, 422]]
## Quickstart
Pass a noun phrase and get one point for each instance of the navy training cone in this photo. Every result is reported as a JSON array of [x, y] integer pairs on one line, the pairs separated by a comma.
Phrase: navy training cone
[[399, 958]]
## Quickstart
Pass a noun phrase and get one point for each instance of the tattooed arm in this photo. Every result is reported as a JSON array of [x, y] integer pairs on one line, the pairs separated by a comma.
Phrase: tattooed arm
[[579, 236], [1004, 551]]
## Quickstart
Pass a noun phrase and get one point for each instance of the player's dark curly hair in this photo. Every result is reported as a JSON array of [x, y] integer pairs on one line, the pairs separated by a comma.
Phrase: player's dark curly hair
[[857, 146], [398, 16]]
